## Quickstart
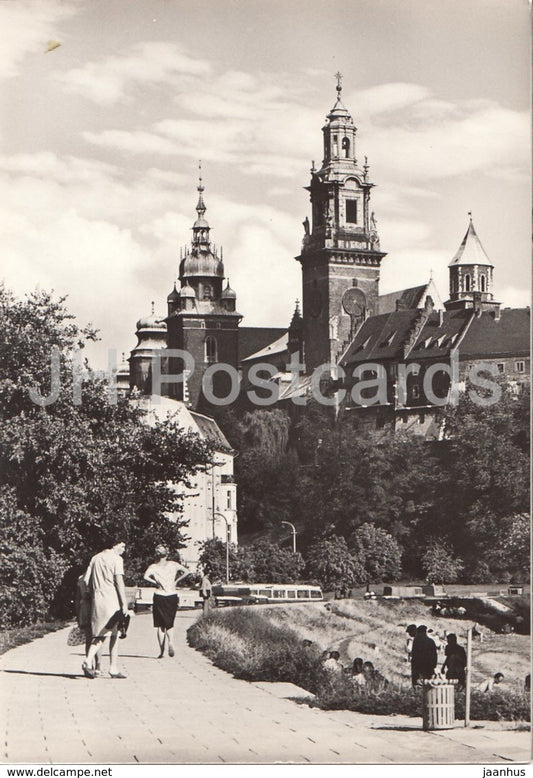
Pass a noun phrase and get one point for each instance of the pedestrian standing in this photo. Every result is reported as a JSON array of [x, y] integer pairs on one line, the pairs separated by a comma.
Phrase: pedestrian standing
[[423, 657], [455, 661], [105, 580], [164, 574], [83, 617], [411, 632], [206, 593]]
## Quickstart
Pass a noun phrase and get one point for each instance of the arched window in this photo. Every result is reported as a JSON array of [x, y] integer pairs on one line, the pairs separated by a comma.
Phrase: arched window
[[346, 146], [210, 349], [483, 283], [335, 146], [467, 282], [208, 292]]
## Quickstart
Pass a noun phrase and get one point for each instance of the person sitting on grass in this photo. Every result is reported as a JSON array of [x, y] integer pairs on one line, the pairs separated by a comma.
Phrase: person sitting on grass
[[477, 633], [357, 675], [332, 663], [489, 683], [373, 678]]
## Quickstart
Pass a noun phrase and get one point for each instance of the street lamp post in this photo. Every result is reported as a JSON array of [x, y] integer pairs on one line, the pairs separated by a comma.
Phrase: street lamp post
[[221, 515], [293, 535]]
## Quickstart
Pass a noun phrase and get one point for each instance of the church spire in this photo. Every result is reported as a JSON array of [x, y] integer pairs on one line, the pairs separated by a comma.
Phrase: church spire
[[201, 227]]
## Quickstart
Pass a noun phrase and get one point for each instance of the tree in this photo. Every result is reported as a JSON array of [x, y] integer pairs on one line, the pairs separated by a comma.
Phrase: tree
[[273, 564], [330, 561], [485, 456], [439, 564], [377, 551], [76, 472], [262, 561]]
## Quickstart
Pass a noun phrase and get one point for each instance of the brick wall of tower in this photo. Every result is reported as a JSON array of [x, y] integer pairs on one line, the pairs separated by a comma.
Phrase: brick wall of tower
[[189, 334]]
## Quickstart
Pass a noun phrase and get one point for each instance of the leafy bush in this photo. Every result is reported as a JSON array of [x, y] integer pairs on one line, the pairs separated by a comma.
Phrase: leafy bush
[[377, 551], [340, 694], [267, 652], [498, 705], [330, 561], [439, 564]]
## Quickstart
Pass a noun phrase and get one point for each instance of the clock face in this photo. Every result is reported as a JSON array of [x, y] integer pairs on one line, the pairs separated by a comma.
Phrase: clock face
[[315, 304], [354, 301]]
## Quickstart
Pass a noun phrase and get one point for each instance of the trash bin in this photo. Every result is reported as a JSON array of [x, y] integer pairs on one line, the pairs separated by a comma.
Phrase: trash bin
[[438, 703]]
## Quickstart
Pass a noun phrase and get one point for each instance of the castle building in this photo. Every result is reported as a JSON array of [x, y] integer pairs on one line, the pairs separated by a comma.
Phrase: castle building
[[345, 322]]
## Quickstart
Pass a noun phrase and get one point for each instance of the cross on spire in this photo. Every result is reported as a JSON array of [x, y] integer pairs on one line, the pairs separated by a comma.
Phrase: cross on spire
[[200, 185], [338, 76]]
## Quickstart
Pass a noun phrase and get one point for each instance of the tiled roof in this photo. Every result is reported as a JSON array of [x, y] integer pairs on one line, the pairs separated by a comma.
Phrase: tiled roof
[[387, 302], [253, 339], [382, 337], [277, 347], [414, 297], [210, 430], [488, 336]]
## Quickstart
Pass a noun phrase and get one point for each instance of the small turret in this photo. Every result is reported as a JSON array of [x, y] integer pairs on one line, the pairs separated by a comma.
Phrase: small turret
[[173, 300], [296, 331], [471, 275], [151, 338], [228, 298]]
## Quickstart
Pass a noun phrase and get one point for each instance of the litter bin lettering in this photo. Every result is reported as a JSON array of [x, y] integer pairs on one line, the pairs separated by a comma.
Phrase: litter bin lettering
[[438, 703]]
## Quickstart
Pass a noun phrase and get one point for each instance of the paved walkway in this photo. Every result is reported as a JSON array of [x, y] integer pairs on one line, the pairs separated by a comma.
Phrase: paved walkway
[[185, 710]]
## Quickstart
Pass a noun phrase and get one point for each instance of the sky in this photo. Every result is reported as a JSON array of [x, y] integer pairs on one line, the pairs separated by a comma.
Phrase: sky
[[101, 137]]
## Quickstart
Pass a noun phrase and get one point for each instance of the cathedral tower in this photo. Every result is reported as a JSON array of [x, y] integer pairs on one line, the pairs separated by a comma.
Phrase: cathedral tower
[[340, 254], [202, 317]]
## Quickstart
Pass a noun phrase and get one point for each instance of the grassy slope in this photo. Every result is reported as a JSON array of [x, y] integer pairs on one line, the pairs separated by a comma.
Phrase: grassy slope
[[375, 631], [17, 636]]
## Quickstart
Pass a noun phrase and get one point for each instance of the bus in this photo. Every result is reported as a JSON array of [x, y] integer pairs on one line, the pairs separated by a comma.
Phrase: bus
[[257, 593]]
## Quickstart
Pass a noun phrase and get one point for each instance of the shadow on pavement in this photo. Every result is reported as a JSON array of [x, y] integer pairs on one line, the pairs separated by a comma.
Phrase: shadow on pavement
[[414, 728], [70, 676]]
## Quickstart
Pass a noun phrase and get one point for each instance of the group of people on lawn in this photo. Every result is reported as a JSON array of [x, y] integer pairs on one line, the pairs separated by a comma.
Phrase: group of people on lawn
[[102, 606], [422, 649], [422, 652]]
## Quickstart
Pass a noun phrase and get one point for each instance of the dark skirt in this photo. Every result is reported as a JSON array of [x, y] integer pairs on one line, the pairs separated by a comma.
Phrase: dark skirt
[[164, 610]]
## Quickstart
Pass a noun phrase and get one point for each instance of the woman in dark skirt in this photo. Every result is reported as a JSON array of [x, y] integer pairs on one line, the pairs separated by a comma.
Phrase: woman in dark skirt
[[165, 575]]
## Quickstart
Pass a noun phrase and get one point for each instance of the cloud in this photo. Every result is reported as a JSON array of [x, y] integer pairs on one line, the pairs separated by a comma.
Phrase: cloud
[[134, 142], [385, 98], [145, 64], [426, 138], [27, 28]]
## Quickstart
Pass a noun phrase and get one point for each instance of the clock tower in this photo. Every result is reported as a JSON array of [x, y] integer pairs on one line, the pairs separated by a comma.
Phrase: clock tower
[[340, 253]]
